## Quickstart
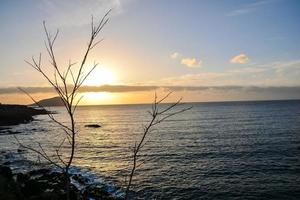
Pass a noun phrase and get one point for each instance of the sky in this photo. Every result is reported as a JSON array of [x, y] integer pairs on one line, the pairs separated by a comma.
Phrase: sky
[[202, 50]]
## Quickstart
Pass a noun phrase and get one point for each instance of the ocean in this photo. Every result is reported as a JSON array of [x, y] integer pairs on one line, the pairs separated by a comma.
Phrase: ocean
[[222, 150]]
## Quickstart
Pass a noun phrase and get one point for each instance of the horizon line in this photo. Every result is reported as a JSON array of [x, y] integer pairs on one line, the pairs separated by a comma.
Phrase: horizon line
[[183, 102]]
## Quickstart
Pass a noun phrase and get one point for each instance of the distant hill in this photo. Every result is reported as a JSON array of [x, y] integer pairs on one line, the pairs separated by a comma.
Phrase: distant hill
[[54, 101]]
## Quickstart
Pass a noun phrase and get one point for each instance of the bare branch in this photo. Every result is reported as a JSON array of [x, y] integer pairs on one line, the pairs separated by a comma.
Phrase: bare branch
[[78, 101], [157, 116], [67, 92], [96, 43], [48, 113], [41, 153], [165, 97]]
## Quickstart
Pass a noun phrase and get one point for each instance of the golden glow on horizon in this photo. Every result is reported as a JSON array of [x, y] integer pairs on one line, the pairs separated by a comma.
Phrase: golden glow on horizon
[[95, 98], [101, 76]]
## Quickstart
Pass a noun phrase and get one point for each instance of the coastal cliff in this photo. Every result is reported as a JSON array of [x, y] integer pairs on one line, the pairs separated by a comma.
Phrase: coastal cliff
[[18, 114]]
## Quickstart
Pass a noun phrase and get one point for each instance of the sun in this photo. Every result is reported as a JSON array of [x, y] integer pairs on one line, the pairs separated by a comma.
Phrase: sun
[[100, 76]]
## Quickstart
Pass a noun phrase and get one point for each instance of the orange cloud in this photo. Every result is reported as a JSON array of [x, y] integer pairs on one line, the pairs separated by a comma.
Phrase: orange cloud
[[191, 62], [174, 55], [240, 59]]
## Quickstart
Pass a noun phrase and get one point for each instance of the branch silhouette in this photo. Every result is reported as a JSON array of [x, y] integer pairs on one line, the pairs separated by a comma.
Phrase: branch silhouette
[[157, 116], [67, 92]]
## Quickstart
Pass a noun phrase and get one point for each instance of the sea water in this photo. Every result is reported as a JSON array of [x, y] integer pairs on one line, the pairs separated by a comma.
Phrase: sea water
[[224, 150]]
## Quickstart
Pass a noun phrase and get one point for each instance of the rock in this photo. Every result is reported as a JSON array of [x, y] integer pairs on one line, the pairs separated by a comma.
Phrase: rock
[[42, 184], [80, 179], [5, 172], [22, 178], [20, 150], [92, 126], [39, 172], [95, 192], [33, 187], [48, 196], [8, 188], [7, 163], [17, 114]]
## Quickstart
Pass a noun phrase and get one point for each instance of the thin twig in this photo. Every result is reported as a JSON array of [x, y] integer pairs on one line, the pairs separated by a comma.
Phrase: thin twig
[[157, 116]]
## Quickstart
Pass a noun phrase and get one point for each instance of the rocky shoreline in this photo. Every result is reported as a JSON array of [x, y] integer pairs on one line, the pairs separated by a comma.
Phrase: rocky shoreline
[[34, 182], [18, 114], [47, 184]]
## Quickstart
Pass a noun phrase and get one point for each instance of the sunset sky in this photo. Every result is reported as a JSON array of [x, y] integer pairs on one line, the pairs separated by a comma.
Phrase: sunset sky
[[203, 50]]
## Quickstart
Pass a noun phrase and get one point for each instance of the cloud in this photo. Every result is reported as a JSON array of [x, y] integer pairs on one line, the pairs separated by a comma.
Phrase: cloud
[[265, 79], [276, 92], [103, 88], [174, 55], [249, 8], [283, 73], [117, 88], [191, 62], [77, 12], [240, 59]]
